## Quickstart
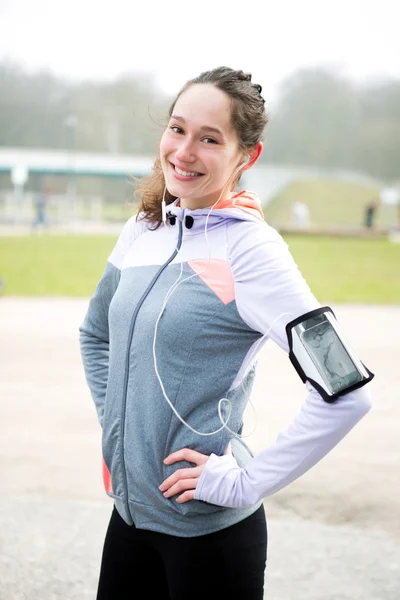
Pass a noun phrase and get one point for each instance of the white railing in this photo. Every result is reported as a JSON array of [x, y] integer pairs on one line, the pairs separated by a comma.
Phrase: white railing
[[22, 208]]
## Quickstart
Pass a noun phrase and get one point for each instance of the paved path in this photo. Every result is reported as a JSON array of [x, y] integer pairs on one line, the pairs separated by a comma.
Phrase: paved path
[[334, 534]]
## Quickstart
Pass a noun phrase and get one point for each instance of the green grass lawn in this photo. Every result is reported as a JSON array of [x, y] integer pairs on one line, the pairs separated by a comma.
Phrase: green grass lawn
[[53, 265], [337, 269], [349, 269], [331, 203]]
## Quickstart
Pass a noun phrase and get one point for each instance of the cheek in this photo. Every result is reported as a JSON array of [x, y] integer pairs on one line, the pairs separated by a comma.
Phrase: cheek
[[167, 145], [163, 146], [226, 172]]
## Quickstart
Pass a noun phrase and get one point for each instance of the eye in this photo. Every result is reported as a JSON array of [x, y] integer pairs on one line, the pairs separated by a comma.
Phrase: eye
[[176, 129], [209, 140]]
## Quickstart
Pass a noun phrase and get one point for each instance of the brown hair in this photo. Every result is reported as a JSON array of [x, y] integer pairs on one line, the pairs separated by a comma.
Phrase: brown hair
[[248, 118]]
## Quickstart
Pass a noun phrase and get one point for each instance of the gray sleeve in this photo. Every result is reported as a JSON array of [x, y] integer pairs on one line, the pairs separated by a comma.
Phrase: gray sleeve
[[94, 337], [93, 333]]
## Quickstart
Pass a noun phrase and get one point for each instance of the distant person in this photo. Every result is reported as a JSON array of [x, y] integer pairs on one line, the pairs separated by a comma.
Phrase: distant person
[[370, 214], [41, 202], [300, 215], [194, 287]]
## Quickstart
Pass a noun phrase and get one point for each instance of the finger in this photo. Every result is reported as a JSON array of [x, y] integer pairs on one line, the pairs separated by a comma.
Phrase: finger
[[180, 474], [186, 496], [186, 454], [181, 486]]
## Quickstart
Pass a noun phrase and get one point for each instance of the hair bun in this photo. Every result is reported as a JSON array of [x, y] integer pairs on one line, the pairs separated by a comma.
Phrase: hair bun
[[244, 76]]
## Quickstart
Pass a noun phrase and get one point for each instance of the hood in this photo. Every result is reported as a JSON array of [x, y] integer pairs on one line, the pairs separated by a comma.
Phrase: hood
[[240, 206]]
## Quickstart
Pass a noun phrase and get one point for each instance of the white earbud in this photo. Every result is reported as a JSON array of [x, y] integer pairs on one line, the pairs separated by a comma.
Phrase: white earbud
[[245, 162]]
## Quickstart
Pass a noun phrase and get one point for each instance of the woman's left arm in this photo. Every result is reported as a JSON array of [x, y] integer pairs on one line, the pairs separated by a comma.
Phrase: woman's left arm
[[270, 291], [315, 431], [269, 284]]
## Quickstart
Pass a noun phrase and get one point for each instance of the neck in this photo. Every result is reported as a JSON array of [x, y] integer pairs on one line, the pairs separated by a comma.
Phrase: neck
[[205, 202]]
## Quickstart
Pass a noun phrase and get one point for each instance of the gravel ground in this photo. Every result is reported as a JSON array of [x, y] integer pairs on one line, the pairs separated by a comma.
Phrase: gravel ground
[[52, 549], [333, 535]]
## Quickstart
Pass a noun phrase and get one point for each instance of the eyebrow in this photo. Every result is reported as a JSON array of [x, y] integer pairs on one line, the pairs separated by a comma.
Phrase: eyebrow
[[204, 128]]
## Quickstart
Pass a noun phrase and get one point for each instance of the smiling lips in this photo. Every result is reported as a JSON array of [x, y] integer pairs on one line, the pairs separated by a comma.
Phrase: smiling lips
[[181, 174]]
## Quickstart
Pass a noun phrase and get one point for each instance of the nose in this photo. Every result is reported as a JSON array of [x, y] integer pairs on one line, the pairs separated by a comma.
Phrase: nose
[[186, 151]]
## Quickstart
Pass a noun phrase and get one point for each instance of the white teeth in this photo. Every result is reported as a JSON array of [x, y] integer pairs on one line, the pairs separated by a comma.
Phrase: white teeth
[[185, 173]]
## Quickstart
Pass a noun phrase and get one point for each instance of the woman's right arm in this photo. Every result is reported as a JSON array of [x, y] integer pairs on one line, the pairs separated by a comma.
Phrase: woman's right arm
[[93, 332], [94, 337]]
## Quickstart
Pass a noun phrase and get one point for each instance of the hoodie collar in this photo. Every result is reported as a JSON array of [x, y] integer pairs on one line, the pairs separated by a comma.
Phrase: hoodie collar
[[240, 206]]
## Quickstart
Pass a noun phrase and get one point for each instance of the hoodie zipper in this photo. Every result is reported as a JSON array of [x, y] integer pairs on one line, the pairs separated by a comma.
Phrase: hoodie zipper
[[129, 342]]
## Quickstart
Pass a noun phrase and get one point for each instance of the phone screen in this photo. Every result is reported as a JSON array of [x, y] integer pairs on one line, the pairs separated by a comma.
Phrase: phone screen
[[328, 353]]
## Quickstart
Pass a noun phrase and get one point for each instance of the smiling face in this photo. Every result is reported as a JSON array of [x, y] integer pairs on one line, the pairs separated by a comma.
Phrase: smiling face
[[199, 150]]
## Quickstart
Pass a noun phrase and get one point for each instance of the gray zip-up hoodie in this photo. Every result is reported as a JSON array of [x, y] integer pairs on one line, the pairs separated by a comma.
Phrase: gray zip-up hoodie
[[235, 281]]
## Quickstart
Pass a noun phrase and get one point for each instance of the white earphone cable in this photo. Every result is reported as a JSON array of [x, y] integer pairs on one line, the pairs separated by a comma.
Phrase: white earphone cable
[[172, 289]]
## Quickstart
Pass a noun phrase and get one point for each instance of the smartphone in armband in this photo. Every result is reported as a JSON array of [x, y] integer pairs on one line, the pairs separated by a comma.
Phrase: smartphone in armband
[[323, 356]]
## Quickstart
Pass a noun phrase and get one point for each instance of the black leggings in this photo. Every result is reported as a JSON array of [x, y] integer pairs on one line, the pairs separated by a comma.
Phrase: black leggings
[[138, 563]]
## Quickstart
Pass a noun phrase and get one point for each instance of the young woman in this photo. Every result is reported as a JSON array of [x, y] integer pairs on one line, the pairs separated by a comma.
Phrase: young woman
[[194, 287]]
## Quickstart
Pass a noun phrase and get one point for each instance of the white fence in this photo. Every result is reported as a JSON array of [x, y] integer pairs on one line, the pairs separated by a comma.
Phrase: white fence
[[22, 209]]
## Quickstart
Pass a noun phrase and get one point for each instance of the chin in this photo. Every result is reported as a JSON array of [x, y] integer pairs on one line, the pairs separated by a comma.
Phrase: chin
[[175, 189]]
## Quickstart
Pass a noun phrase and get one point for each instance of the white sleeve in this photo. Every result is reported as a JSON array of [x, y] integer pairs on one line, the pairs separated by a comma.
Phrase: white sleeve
[[130, 232], [270, 290], [268, 284]]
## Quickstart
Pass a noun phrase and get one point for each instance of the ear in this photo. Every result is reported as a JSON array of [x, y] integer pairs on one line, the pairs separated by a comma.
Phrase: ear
[[255, 154]]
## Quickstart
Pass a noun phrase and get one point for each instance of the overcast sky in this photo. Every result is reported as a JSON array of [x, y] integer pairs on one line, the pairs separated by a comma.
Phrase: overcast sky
[[177, 39]]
